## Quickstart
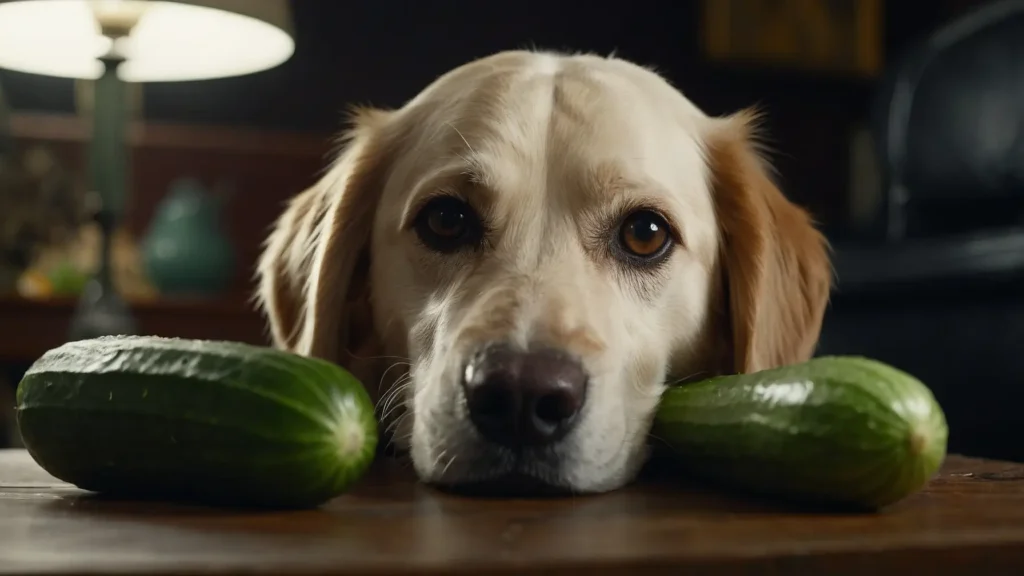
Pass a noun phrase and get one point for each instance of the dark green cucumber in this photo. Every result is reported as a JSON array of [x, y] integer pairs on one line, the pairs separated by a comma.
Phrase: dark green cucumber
[[838, 429], [220, 423]]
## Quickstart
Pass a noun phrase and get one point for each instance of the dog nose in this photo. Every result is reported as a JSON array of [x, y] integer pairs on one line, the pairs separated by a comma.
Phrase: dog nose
[[523, 398]]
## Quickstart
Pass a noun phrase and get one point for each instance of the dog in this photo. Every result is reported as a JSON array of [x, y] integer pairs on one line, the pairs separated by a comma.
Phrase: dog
[[520, 259]]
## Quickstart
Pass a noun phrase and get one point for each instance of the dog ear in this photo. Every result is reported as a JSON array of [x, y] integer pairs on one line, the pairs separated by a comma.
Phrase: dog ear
[[776, 265], [312, 274]]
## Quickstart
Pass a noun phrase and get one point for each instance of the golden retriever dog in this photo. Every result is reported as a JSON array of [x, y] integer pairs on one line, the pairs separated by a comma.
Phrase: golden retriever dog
[[520, 259]]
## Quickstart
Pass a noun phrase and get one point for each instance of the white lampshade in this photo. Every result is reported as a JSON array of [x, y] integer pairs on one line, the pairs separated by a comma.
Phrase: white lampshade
[[171, 40]]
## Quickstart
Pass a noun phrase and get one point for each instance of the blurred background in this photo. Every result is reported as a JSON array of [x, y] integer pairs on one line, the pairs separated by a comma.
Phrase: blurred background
[[898, 124]]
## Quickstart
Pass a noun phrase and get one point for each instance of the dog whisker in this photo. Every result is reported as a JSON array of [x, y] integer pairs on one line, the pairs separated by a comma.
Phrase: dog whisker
[[398, 405], [683, 379], [395, 386], [394, 400], [392, 428], [400, 359], [464, 140], [394, 440], [438, 457], [448, 465], [394, 392], [656, 437], [384, 375]]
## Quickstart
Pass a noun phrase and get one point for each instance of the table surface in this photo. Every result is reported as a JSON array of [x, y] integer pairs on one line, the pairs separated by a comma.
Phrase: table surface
[[970, 520]]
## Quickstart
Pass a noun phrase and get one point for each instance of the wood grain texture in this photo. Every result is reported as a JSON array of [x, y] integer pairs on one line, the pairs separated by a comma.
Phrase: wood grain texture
[[969, 521]]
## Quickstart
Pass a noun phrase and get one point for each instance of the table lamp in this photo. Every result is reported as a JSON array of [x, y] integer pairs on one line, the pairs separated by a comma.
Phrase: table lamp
[[118, 41]]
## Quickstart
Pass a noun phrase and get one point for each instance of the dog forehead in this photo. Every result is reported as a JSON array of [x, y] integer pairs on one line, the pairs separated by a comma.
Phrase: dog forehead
[[525, 119]]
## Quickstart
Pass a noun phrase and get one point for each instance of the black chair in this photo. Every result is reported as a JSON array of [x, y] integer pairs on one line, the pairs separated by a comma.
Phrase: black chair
[[939, 288], [948, 122]]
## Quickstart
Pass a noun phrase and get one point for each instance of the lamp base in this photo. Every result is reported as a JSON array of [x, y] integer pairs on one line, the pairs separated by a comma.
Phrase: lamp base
[[101, 311]]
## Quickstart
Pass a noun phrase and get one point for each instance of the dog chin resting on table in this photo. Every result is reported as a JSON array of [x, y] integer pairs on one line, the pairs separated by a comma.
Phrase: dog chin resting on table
[[520, 259]]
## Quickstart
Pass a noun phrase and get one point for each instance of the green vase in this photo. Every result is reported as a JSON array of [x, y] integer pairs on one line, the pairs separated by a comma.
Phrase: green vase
[[186, 252]]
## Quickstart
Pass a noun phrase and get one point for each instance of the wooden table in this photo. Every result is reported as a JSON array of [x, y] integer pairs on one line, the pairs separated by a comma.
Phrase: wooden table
[[969, 521]]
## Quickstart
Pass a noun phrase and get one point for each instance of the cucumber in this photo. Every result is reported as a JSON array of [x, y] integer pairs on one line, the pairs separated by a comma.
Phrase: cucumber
[[838, 430], [219, 423]]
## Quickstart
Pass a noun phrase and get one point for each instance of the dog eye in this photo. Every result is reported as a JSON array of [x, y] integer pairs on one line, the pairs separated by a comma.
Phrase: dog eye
[[644, 234], [447, 224]]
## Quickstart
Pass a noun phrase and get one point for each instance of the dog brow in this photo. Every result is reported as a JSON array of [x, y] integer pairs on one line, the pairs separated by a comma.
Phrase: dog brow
[[610, 178], [473, 169], [472, 165]]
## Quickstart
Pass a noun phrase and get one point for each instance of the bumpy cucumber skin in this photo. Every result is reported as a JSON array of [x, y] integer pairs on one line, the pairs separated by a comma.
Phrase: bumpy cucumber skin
[[842, 430], [219, 423]]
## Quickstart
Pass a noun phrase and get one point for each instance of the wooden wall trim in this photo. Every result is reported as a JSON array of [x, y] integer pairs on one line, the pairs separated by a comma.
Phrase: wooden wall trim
[[33, 327], [70, 128]]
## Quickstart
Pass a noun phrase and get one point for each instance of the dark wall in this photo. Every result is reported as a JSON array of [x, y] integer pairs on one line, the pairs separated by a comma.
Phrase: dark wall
[[384, 51]]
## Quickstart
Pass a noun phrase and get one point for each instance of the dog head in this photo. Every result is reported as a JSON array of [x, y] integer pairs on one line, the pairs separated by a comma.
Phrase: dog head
[[542, 243]]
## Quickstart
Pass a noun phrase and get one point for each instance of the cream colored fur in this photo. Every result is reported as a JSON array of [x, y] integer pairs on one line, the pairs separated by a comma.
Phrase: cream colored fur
[[559, 146]]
